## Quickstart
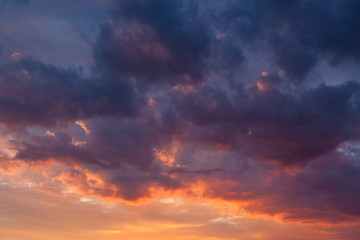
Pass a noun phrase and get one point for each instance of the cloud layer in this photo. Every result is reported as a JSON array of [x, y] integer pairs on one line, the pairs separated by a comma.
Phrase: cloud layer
[[231, 98]]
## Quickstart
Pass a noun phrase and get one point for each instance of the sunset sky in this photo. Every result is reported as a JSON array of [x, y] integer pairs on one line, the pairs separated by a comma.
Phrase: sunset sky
[[179, 119]]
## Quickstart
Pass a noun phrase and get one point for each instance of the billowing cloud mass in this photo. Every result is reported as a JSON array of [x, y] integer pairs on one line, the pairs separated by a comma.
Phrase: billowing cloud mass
[[255, 104]]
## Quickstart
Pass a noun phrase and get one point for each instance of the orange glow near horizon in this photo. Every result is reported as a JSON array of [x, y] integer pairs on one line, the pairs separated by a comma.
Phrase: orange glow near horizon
[[73, 206], [72, 217]]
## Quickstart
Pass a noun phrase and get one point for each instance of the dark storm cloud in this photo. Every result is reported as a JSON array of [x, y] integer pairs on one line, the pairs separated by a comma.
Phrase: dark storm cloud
[[127, 141], [269, 124], [121, 151], [60, 147], [134, 184], [162, 39], [299, 32], [322, 191], [110, 144], [34, 93], [172, 39], [325, 190]]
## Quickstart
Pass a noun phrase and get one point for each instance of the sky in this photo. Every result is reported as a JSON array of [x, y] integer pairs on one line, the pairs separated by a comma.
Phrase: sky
[[179, 119]]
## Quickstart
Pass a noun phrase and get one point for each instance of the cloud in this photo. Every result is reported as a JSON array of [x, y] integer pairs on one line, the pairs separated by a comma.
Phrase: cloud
[[288, 127], [34, 93], [298, 33], [173, 101], [324, 191], [159, 40]]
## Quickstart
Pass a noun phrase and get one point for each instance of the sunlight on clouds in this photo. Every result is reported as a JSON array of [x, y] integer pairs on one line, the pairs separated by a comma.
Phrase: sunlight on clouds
[[180, 215], [262, 86], [49, 133], [167, 156], [264, 74], [83, 126], [16, 56]]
